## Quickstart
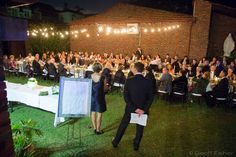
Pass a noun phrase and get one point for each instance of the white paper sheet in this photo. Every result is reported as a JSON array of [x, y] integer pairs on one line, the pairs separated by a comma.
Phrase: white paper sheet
[[136, 119]]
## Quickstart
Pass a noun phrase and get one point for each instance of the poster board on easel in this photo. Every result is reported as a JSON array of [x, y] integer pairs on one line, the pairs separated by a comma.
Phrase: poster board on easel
[[74, 98]]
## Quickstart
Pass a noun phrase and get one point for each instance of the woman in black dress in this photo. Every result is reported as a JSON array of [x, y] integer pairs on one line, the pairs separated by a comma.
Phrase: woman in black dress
[[98, 104]]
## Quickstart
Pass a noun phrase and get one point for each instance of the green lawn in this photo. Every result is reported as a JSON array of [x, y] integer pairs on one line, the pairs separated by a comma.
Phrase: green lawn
[[172, 130]]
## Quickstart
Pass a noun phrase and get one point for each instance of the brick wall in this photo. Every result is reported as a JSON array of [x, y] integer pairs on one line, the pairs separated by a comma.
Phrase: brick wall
[[200, 29], [6, 144], [221, 26], [173, 41]]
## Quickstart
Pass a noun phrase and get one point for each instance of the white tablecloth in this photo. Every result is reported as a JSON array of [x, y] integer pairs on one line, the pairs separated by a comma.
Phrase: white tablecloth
[[30, 97]]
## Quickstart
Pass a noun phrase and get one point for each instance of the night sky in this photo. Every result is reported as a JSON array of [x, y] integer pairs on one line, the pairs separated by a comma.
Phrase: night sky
[[90, 5], [95, 6]]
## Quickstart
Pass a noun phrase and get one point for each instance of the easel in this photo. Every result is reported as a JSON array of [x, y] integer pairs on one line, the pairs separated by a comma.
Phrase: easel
[[71, 131]]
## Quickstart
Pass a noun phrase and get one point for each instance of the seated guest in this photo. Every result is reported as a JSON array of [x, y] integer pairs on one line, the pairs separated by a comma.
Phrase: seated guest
[[89, 71], [156, 63], [205, 66], [150, 76], [119, 78], [212, 72], [180, 84], [131, 74], [200, 84], [213, 62], [12, 63], [167, 59], [69, 60], [185, 69], [194, 66], [29, 58], [44, 57], [219, 91], [170, 69], [185, 61], [58, 57], [198, 72], [165, 81], [46, 66], [36, 66], [52, 70], [190, 72], [219, 67], [233, 67], [230, 75], [176, 64], [62, 71]]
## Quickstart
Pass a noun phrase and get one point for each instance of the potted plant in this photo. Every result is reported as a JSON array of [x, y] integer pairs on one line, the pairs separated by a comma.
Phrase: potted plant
[[23, 133]]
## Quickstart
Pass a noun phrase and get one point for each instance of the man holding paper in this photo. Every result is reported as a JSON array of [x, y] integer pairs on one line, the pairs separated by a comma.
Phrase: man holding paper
[[138, 96]]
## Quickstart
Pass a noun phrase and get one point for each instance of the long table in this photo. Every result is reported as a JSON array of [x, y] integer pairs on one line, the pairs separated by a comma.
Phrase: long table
[[30, 97], [21, 93]]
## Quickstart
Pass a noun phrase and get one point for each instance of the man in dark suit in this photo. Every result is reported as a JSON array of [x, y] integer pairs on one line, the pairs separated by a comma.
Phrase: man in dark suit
[[36, 65], [219, 91], [138, 96]]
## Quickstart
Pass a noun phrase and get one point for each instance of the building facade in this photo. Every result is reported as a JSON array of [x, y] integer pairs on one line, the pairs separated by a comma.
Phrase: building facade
[[157, 31]]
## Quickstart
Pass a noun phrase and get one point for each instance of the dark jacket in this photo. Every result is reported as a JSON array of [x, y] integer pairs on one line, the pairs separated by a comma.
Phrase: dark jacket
[[107, 74], [180, 84], [150, 76], [138, 93], [36, 67], [176, 66], [221, 89], [52, 70], [205, 68], [119, 77], [62, 70], [200, 85]]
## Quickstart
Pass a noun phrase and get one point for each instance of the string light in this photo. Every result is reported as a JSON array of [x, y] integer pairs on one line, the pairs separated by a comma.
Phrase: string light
[[108, 29], [47, 32], [100, 29], [83, 30], [123, 30], [33, 34]]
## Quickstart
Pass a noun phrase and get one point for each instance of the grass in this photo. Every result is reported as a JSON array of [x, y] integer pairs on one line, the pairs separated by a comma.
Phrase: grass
[[174, 130]]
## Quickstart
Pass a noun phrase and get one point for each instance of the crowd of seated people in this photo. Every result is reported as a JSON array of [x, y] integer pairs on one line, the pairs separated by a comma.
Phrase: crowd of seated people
[[175, 73]]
